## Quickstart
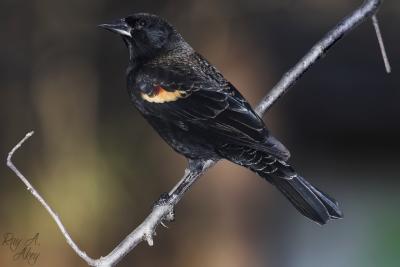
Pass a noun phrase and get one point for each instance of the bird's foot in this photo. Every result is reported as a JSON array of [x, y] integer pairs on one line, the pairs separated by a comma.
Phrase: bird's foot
[[163, 200]]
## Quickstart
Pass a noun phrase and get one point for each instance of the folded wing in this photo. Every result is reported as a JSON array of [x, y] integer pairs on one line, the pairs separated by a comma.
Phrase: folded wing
[[211, 105]]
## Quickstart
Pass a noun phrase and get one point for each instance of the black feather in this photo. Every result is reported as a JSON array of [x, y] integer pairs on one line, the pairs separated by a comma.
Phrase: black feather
[[202, 116]]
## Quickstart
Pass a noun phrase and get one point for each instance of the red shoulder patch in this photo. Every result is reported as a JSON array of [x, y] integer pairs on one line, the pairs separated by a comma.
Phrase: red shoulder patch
[[160, 95]]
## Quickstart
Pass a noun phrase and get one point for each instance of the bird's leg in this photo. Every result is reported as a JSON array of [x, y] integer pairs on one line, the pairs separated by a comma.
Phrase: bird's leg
[[162, 200], [194, 170]]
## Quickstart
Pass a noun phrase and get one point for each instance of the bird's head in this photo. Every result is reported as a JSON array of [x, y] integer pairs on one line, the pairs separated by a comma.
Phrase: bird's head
[[146, 35]]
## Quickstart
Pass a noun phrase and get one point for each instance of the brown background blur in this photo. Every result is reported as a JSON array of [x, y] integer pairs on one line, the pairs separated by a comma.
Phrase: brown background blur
[[100, 166]]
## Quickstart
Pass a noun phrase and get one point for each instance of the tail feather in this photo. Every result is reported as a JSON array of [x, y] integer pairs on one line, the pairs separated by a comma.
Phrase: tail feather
[[307, 199], [330, 203]]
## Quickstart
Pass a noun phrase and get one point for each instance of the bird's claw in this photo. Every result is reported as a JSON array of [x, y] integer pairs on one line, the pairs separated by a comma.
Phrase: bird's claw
[[164, 198], [163, 224]]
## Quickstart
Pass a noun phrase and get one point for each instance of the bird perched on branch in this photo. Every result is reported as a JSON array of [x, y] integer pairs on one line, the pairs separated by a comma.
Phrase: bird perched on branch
[[203, 116]]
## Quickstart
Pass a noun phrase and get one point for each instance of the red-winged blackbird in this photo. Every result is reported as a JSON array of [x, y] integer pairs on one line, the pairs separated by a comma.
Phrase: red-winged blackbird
[[202, 116]]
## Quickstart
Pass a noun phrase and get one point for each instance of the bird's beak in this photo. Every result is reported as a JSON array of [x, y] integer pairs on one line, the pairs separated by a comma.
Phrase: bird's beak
[[119, 26]]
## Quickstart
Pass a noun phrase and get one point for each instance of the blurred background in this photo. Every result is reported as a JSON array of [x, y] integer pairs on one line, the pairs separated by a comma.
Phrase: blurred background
[[101, 167]]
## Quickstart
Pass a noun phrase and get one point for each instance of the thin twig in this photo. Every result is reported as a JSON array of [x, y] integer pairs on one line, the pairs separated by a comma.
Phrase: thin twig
[[163, 211], [144, 232], [366, 10], [33, 191], [381, 44]]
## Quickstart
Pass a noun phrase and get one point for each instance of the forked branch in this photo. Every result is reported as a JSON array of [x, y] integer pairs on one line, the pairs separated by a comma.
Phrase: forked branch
[[163, 210], [366, 10]]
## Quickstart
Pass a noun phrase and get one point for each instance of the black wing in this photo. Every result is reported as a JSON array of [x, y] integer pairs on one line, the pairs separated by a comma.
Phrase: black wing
[[199, 96]]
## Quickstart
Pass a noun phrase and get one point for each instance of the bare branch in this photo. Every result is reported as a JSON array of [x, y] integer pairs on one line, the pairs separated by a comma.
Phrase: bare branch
[[366, 10], [164, 208], [162, 211], [381, 45], [33, 191]]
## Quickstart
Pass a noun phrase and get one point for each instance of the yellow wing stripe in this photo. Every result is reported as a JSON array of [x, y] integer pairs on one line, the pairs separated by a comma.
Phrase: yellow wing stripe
[[161, 95]]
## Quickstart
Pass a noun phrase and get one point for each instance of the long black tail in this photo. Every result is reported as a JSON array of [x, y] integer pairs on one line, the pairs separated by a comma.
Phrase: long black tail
[[308, 200]]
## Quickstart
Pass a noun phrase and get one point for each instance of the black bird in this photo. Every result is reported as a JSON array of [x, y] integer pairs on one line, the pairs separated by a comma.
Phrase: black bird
[[203, 116]]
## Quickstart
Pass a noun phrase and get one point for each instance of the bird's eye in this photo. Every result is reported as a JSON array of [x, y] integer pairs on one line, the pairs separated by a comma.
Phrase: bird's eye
[[142, 23]]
